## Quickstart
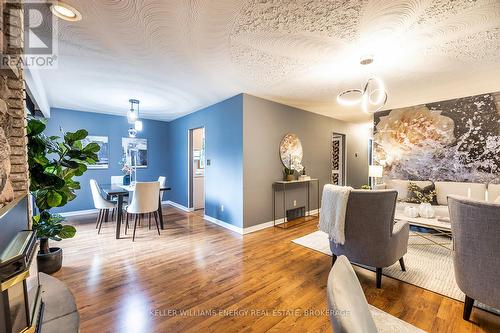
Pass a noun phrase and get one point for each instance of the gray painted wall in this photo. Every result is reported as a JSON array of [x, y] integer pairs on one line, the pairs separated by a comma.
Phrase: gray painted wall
[[264, 125]]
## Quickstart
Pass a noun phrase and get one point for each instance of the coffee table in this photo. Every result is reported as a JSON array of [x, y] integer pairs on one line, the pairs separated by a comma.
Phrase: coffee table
[[442, 226]]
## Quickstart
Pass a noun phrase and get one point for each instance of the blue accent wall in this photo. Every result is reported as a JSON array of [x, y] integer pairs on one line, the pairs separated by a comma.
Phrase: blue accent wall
[[223, 123], [115, 127]]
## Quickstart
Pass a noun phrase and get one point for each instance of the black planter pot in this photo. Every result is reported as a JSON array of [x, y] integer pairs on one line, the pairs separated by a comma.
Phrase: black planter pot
[[51, 262]]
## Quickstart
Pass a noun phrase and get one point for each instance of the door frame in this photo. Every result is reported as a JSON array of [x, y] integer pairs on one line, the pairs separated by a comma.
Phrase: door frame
[[343, 158], [190, 167]]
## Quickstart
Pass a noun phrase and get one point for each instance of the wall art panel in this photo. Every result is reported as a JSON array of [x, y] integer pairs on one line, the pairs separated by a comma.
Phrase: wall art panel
[[453, 140]]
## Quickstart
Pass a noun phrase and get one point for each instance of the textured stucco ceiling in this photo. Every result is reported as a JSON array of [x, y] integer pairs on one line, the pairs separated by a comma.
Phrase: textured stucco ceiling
[[179, 56]]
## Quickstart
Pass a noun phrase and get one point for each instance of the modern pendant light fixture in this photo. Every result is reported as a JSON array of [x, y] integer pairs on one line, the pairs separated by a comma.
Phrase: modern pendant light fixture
[[133, 118], [372, 97]]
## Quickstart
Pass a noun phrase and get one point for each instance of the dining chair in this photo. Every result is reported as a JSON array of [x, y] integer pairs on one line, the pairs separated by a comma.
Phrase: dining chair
[[101, 204], [116, 180], [162, 180], [144, 201]]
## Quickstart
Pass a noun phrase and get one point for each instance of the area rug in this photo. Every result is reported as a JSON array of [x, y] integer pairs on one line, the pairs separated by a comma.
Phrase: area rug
[[428, 265]]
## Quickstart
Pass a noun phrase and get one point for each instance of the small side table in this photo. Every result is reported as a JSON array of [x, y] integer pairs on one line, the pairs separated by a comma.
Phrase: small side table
[[282, 184]]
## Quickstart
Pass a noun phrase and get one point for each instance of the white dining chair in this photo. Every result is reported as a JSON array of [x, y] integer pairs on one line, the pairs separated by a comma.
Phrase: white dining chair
[[116, 180], [144, 201], [162, 180], [100, 203]]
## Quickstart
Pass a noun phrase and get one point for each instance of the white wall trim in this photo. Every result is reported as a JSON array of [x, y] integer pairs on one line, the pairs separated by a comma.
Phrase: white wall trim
[[95, 211], [223, 224], [239, 230], [79, 212], [178, 206], [269, 224], [254, 228]]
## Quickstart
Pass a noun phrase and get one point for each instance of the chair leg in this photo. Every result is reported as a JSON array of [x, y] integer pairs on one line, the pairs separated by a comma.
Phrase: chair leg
[[135, 226], [126, 222], [402, 264], [468, 304], [98, 219], [155, 214], [112, 214], [100, 224], [334, 258], [107, 215], [379, 277], [149, 221]]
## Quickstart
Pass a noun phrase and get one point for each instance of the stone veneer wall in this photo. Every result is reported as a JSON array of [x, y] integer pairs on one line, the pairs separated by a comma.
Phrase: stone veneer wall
[[13, 152]]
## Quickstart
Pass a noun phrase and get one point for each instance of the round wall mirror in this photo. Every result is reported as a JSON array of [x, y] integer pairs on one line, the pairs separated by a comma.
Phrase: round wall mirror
[[291, 152]]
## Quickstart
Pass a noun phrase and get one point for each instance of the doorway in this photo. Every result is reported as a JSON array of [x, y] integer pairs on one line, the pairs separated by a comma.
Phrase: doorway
[[338, 176], [197, 168]]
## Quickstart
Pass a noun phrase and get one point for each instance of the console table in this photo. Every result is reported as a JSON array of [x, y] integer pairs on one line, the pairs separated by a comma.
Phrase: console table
[[282, 184]]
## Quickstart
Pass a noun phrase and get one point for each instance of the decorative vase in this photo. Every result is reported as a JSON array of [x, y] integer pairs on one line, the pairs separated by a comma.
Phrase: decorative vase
[[411, 211], [425, 210], [126, 180], [290, 177]]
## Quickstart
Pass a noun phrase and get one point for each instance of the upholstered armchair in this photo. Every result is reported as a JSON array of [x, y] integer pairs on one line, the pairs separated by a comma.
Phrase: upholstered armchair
[[475, 227], [371, 236]]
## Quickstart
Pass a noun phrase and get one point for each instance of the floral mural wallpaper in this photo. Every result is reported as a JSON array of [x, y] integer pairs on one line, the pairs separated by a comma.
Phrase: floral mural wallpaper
[[454, 140]]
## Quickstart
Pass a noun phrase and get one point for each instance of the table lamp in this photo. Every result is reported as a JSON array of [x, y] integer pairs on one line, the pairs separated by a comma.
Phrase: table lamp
[[374, 172]]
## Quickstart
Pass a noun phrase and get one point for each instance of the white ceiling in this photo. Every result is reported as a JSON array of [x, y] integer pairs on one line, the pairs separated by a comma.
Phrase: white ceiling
[[179, 56]]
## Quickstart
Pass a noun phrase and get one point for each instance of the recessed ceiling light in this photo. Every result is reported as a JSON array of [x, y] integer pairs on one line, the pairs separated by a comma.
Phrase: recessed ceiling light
[[65, 12], [366, 59]]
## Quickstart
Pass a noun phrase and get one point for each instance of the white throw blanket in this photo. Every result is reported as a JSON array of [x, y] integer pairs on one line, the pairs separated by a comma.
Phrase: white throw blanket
[[333, 209]]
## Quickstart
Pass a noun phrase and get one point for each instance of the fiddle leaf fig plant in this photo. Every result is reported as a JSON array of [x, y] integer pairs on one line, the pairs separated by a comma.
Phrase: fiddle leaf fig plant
[[53, 163]]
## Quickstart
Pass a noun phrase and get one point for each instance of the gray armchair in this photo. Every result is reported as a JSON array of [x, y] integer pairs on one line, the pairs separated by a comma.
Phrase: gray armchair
[[475, 228], [371, 236]]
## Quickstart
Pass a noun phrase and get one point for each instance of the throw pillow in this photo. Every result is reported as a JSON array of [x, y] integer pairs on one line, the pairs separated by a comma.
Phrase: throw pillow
[[417, 194]]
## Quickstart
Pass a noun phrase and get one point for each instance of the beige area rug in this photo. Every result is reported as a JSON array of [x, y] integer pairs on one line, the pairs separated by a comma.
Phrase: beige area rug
[[428, 265]]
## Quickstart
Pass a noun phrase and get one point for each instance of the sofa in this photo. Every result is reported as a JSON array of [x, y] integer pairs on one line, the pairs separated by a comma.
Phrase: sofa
[[474, 191]]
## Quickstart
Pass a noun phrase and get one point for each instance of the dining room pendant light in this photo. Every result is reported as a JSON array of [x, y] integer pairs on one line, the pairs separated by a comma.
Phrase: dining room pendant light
[[138, 125], [133, 118], [133, 113]]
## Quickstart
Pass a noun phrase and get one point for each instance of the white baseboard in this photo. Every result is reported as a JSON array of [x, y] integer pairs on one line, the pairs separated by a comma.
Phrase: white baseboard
[[179, 206], [254, 228], [223, 224], [95, 211], [261, 226], [79, 212], [239, 230], [269, 224]]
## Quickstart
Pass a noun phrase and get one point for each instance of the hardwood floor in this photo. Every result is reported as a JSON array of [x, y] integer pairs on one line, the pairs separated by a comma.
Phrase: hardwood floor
[[198, 277]]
